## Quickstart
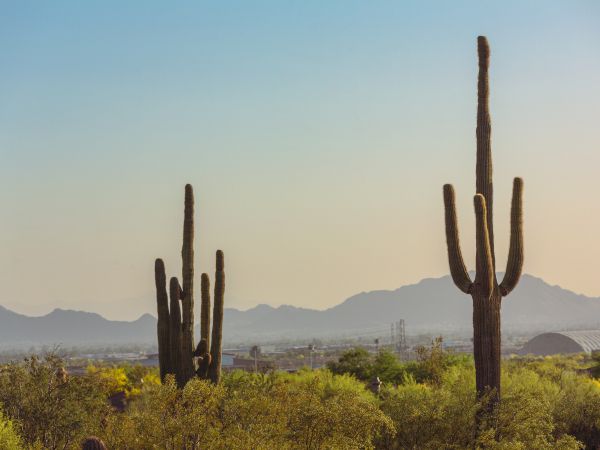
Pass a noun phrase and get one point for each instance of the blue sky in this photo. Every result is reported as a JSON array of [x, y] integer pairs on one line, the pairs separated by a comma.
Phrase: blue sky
[[317, 136]]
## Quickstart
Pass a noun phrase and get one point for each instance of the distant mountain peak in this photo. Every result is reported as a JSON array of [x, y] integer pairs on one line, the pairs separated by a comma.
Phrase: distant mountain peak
[[433, 305]]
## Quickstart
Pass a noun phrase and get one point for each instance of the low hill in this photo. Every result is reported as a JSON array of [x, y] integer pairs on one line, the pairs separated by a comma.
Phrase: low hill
[[433, 305]]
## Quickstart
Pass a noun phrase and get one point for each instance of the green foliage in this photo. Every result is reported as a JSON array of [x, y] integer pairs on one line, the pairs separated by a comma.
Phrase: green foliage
[[52, 411], [432, 417], [430, 403], [356, 362], [432, 361], [443, 415], [129, 379], [165, 417], [306, 411], [9, 438], [576, 410]]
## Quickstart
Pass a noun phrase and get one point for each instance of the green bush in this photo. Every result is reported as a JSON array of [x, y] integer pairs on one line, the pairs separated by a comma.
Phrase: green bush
[[547, 403], [53, 411], [9, 438], [310, 410]]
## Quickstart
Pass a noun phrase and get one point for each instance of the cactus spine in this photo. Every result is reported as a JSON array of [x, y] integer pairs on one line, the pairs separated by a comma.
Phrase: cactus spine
[[487, 294], [175, 326]]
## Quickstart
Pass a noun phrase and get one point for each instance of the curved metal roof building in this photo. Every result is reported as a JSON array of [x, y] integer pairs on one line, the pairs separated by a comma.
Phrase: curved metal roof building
[[563, 342]]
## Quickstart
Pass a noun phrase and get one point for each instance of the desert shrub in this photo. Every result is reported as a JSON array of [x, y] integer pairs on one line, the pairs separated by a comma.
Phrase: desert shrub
[[9, 438], [430, 403], [577, 409], [52, 411], [311, 410], [524, 418], [164, 417], [328, 411], [551, 367], [125, 378], [443, 415], [428, 416]]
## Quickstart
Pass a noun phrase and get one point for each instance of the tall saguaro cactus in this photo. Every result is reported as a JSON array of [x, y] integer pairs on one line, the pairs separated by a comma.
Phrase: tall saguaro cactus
[[487, 294], [187, 299], [175, 327]]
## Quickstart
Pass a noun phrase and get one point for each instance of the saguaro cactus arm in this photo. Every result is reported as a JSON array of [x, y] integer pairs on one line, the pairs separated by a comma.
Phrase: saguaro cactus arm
[[162, 307], [175, 329], [205, 309], [217, 331], [485, 269], [457, 266], [514, 266]]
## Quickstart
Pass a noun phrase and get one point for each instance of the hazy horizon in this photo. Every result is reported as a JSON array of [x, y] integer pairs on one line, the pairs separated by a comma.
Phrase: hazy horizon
[[341, 301], [317, 138]]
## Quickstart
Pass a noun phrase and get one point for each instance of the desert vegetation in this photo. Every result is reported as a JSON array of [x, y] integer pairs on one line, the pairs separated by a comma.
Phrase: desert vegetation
[[429, 403]]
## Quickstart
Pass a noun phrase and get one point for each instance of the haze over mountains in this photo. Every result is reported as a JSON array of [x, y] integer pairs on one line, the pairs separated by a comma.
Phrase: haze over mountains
[[433, 305]]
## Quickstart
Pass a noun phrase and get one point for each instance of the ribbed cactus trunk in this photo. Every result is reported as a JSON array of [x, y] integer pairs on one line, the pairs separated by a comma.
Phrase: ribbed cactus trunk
[[163, 327], [487, 294], [175, 331], [205, 311], [214, 371], [187, 301], [175, 326]]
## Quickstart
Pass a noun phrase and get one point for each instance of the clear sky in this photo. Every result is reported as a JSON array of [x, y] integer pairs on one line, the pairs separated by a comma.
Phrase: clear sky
[[317, 136]]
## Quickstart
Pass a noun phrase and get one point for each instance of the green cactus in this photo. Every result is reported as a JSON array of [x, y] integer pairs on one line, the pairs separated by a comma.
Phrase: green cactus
[[187, 300], [205, 310], [214, 371], [175, 334], [163, 327], [175, 326], [486, 292]]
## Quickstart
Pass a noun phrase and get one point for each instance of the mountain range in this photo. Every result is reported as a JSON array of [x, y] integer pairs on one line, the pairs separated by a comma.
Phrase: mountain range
[[433, 305]]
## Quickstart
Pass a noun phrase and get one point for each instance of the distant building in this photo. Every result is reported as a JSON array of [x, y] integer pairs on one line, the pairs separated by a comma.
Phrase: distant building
[[563, 342]]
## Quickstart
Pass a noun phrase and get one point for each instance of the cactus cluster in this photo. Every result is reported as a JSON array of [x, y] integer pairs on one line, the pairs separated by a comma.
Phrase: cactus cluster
[[487, 294], [176, 351]]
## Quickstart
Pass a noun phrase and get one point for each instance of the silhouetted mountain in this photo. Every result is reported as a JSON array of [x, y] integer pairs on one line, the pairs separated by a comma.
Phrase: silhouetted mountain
[[433, 305], [73, 327]]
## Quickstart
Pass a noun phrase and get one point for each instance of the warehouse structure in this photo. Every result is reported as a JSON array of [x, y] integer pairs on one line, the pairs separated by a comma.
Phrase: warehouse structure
[[563, 342]]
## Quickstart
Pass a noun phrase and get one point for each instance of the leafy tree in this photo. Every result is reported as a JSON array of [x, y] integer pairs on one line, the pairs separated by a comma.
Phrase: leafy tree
[[356, 362], [388, 368]]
